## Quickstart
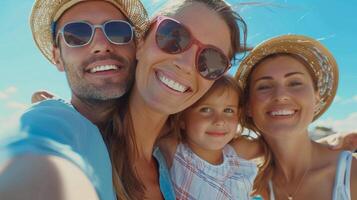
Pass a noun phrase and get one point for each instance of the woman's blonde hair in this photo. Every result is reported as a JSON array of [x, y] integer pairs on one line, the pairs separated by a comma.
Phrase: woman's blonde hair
[[120, 136]]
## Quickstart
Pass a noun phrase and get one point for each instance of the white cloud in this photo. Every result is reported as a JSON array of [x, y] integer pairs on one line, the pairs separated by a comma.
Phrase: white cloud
[[355, 98], [5, 94], [9, 124], [343, 125], [11, 90], [344, 101], [9, 118], [9, 99], [16, 105]]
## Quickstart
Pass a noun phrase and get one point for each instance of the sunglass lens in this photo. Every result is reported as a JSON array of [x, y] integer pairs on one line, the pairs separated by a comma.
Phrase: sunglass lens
[[118, 32], [211, 63], [172, 37], [77, 34]]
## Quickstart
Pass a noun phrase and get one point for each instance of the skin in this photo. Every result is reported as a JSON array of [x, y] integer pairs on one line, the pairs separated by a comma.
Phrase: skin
[[211, 124], [51, 177], [283, 83], [94, 93], [44, 177], [179, 67], [151, 101]]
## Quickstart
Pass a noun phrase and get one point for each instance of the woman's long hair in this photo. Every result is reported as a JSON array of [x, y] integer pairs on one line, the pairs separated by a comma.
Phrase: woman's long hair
[[120, 136], [267, 164]]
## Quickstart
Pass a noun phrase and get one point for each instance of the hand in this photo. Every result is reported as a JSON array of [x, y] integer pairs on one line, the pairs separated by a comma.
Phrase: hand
[[41, 96], [343, 141]]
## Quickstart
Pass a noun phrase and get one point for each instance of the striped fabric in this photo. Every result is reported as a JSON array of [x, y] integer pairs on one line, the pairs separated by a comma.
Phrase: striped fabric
[[194, 178]]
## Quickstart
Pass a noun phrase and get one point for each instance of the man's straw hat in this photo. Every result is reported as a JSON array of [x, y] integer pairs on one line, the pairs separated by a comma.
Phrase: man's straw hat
[[46, 12], [321, 62]]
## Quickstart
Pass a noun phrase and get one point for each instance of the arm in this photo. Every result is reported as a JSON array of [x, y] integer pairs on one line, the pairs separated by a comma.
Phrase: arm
[[51, 153], [341, 141], [247, 148], [43, 177], [41, 95]]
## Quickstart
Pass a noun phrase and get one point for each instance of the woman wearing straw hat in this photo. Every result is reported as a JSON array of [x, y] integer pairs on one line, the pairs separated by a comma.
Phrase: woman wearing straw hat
[[290, 81]]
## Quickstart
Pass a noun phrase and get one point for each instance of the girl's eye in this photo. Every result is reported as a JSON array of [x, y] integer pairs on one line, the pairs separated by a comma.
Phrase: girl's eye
[[228, 110], [205, 110]]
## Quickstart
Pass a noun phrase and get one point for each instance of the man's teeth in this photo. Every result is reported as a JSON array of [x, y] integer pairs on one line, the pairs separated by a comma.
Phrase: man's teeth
[[172, 84], [282, 112], [103, 68]]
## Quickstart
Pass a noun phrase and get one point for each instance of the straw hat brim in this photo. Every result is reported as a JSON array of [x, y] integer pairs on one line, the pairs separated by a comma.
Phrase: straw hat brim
[[321, 62], [45, 12]]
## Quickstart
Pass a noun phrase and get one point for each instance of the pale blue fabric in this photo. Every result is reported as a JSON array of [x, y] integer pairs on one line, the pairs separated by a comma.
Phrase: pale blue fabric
[[54, 127], [165, 182], [342, 189]]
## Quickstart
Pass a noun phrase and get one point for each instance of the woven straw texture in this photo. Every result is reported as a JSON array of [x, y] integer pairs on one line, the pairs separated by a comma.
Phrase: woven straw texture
[[320, 60]]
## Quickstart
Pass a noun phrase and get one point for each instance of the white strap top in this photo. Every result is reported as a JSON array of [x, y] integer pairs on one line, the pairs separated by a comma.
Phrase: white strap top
[[341, 189]]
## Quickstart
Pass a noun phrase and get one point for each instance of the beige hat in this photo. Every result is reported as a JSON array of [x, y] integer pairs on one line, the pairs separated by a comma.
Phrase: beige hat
[[45, 12], [321, 62]]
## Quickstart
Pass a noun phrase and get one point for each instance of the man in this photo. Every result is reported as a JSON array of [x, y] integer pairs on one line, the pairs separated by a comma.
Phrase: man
[[59, 152]]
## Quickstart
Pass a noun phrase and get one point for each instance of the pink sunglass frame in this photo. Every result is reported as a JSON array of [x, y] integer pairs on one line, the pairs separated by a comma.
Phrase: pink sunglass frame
[[159, 19]]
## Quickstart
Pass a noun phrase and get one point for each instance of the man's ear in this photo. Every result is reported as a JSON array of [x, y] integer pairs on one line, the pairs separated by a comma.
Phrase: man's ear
[[56, 55]]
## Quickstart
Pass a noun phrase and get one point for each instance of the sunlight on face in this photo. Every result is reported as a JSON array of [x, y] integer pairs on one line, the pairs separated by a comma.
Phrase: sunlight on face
[[282, 96], [158, 72], [212, 122]]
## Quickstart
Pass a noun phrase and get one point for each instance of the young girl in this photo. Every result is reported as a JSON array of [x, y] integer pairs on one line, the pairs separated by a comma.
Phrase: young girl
[[288, 82], [202, 163]]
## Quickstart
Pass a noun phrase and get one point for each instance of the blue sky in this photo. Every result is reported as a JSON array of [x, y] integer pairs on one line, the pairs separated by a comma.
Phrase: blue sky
[[24, 69]]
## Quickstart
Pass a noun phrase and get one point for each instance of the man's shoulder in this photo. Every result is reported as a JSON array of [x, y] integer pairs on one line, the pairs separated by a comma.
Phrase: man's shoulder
[[53, 109], [52, 104], [54, 114]]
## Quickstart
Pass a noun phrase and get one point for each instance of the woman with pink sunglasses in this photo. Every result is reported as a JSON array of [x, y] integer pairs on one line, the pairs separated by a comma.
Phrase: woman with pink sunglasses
[[180, 58]]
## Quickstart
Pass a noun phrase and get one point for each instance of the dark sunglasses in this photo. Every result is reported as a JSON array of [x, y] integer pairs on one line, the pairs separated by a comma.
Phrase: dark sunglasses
[[80, 33], [173, 37]]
